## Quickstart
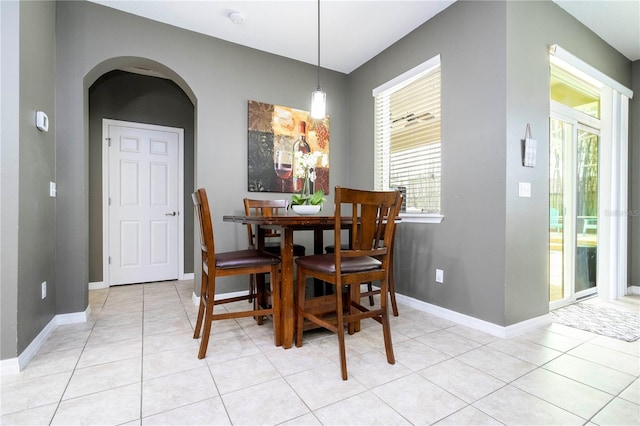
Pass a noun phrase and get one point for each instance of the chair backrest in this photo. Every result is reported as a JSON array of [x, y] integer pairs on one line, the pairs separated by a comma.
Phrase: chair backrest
[[201, 206], [373, 215], [263, 208]]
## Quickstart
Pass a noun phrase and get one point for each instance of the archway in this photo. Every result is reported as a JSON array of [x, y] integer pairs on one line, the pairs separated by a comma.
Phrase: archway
[[144, 91]]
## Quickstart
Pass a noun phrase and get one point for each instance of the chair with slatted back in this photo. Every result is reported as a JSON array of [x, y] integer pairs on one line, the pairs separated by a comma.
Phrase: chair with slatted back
[[370, 291], [242, 262], [253, 207], [372, 217], [392, 286], [272, 236]]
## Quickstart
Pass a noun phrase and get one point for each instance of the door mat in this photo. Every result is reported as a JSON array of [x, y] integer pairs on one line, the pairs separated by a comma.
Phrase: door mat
[[600, 320]]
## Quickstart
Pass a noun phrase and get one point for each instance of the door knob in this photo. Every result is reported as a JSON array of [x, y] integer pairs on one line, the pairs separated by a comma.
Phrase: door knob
[[170, 214]]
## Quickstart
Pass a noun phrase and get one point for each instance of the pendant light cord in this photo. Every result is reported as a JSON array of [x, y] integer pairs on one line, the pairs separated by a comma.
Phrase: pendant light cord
[[318, 44]]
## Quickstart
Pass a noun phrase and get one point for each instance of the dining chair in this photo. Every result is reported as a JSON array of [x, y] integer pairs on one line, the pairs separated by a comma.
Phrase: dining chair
[[370, 291], [241, 262], [268, 208], [367, 259], [257, 207]]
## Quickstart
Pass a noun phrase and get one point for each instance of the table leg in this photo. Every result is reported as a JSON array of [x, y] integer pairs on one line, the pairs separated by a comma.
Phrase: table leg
[[259, 279], [318, 239], [318, 248], [287, 305]]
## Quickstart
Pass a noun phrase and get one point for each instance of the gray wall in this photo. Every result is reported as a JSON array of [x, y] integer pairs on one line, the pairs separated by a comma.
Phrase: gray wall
[[469, 243], [634, 179], [219, 78], [120, 95], [492, 245], [28, 213], [9, 182]]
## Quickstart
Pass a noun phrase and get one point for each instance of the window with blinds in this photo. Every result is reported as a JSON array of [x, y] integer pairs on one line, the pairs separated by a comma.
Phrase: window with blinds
[[408, 137]]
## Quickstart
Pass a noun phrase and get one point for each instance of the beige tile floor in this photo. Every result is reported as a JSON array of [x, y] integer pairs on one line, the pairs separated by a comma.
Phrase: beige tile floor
[[135, 363]]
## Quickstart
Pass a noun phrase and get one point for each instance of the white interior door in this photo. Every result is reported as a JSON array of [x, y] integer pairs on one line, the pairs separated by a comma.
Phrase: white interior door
[[142, 199]]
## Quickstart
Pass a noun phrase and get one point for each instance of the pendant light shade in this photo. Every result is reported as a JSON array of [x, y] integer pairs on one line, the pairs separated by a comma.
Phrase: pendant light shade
[[318, 104], [318, 97]]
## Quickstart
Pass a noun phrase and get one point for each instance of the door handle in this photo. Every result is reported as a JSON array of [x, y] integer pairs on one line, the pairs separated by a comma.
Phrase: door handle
[[170, 214]]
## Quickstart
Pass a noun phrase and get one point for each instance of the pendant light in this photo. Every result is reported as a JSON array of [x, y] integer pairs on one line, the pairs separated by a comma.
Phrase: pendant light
[[318, 97]]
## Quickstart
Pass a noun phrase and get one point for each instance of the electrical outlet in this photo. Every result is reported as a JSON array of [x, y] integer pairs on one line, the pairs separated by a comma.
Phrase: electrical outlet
[[439, 276], [44, 289]]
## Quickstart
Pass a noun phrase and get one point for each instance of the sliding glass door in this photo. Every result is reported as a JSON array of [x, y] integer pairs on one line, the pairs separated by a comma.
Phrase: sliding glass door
[[573, 210], [588, 181]]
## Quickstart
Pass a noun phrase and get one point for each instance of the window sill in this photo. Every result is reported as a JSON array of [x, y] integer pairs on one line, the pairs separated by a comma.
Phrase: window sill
[[421, 217]]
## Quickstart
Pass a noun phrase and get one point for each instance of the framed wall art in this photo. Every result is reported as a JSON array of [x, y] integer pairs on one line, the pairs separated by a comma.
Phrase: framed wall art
[[285, 148]]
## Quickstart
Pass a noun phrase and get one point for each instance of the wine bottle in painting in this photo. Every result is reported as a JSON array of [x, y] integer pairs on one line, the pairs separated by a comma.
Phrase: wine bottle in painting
[[300, 145]]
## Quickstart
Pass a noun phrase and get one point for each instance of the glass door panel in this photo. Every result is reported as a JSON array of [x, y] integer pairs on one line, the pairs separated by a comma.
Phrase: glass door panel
[[586, 210], [573, 210], [556, 208]]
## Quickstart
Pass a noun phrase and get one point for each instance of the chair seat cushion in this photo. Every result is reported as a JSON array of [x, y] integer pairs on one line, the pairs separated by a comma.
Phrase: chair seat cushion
[[243, 258], [274, 248], [326, 263]]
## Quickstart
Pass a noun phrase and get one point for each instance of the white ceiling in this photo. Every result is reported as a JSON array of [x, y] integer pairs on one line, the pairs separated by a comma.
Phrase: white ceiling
[[352, 32], [616, 21]]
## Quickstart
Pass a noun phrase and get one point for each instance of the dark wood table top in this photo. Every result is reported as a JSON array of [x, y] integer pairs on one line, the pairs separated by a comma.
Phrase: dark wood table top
[[291, 221]]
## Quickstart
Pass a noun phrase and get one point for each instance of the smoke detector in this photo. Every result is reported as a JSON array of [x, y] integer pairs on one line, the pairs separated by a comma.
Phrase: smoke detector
[[236, 17]]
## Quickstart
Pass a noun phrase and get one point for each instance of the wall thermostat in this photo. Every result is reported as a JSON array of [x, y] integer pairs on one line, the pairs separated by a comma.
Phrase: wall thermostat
[[42, 121]]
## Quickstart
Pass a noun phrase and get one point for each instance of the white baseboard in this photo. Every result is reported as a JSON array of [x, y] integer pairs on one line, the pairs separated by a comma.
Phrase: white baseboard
[[97, 285], [475, 323], [462, 319], [73, 318], [634, 289], [9, 366], [15, 365]]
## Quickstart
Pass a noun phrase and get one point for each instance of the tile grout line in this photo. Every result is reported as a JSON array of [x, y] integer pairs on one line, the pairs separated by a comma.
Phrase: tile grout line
[[73, 371], [149, 299]]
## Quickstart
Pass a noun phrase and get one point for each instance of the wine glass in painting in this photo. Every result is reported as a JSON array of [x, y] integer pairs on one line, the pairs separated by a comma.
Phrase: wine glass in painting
[[282, 164]]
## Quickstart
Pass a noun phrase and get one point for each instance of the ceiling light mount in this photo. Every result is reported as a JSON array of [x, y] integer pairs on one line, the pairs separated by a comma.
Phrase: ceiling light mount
[[236, 17]]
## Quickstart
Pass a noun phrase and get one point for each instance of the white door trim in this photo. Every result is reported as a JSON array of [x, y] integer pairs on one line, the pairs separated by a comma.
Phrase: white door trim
[[105, 191], [615, 107]]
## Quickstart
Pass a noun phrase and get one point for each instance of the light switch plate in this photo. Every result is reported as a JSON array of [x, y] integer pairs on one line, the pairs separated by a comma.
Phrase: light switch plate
[[52, 189], [524, 189], [42, 121]]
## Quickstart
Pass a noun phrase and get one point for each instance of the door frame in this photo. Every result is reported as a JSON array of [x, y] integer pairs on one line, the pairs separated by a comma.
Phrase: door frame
[[106, 122]]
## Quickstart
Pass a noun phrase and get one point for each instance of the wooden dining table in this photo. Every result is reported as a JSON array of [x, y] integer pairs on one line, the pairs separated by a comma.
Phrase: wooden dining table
[[287, 224]]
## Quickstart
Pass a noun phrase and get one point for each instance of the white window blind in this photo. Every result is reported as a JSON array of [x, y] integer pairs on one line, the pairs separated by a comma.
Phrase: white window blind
[[408, 137]]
